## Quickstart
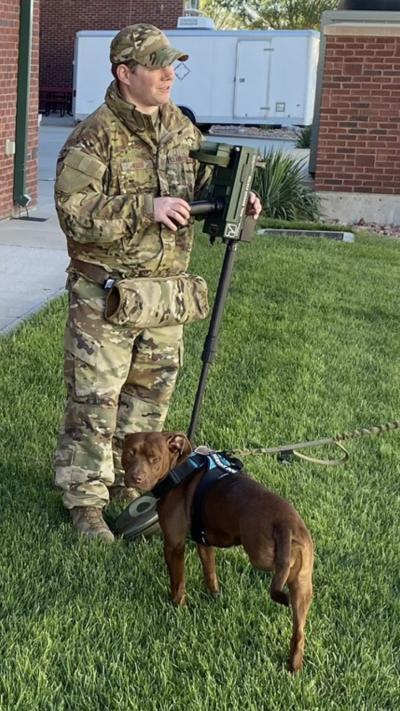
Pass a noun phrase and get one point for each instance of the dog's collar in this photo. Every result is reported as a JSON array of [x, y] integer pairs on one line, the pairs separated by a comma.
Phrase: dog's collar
[[196, 461], [178, 474]]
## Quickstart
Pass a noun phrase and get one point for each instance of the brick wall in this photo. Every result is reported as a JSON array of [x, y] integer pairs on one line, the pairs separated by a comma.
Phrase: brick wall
[[61, 19], [359, 134], [9, 42]]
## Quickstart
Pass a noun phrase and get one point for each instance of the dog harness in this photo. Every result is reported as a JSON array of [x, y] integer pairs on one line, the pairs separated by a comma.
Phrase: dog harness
[[216, 466]]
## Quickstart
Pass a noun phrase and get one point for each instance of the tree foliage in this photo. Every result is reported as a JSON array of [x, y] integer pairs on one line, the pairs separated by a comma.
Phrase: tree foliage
[[262, 14]]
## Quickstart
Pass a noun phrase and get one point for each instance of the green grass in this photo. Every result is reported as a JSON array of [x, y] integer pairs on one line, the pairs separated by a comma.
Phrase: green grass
[[309, 346]]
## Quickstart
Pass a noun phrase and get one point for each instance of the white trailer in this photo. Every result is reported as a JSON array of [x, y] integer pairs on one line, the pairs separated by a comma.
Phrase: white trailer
[[259, 77]]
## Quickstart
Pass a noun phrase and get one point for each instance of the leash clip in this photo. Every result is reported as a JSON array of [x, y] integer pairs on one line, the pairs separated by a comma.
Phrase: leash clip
[[286, 457]]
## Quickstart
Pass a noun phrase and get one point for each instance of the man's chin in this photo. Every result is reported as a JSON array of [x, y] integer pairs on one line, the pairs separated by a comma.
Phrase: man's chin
[[164, 98]]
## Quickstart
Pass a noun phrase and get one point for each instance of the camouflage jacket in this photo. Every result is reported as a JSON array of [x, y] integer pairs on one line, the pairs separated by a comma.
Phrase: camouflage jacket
[[108, 173]]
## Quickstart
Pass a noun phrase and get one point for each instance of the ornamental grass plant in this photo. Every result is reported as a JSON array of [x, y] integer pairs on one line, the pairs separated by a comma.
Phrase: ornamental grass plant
[[304, 137], [285, 189]]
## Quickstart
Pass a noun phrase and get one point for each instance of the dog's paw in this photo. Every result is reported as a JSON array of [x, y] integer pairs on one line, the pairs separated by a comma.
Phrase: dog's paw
[[179, 600]]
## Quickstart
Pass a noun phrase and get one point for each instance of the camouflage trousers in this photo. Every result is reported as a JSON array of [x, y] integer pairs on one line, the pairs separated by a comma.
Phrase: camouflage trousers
[[118, 381]]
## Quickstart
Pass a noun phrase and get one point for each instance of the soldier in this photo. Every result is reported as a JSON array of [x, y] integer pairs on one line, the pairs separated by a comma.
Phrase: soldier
[[124, 183]]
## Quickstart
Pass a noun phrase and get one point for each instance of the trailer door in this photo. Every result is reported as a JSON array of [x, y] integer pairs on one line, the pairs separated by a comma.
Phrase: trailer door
[[253, 59]]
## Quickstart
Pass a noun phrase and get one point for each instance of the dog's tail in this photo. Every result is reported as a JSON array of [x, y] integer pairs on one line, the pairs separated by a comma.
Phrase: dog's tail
[[283, 546]]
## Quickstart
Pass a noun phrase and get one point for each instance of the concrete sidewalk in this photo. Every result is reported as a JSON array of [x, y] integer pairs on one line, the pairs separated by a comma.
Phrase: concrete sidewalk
[[33, 255]]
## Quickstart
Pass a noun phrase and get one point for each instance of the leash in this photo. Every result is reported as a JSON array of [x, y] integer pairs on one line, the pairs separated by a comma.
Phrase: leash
[[287, 450]]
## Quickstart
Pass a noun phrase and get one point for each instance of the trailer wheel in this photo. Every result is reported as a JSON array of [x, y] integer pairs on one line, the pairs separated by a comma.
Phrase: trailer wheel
[[187, 112]]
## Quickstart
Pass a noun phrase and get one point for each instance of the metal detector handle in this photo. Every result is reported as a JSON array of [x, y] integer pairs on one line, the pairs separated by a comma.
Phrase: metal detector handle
[[204, 207]]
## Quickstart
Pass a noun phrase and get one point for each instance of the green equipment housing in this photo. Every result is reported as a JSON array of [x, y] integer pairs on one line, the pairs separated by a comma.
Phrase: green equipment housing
[[228, 193]]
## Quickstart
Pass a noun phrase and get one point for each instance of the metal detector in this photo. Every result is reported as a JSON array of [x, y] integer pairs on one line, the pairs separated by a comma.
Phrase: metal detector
[[225, 210]]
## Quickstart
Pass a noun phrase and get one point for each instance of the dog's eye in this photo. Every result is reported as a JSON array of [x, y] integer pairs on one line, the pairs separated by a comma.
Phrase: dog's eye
[[155, 460]]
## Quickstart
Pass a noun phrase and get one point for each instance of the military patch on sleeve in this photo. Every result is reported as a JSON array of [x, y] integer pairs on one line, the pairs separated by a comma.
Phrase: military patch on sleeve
[[78, 171]]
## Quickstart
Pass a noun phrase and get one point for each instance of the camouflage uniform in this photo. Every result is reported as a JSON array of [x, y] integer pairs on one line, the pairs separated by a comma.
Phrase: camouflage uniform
[[119, 379]]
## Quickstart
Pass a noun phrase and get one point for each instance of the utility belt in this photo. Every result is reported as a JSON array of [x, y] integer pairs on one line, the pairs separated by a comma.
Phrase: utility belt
[[148, 301]]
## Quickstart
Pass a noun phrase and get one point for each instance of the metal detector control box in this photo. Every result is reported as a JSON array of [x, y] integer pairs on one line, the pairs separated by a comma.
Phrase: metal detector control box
[[228, 192]]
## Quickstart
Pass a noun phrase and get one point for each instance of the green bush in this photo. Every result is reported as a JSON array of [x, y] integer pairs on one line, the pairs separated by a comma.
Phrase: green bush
[[284, 188], [304, 139]]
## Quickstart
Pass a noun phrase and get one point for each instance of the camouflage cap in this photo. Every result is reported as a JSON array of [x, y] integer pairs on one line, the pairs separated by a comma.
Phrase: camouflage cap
[[146, 45]]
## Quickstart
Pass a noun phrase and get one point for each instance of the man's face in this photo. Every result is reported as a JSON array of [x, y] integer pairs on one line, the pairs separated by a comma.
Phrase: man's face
[[146, 88]]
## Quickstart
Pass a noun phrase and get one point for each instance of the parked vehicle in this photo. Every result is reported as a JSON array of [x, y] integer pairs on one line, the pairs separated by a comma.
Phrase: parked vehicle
[[231, 77]]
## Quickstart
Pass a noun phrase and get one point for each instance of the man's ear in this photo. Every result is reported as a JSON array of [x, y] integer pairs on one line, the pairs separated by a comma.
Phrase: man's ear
[[122, 72], [178, 443]]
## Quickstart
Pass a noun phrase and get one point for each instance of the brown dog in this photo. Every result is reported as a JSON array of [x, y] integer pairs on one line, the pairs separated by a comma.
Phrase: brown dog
[[237, 510]]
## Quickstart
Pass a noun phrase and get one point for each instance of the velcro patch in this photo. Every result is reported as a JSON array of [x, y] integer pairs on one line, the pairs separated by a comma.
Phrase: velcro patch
[[84, 162], [78, 171]]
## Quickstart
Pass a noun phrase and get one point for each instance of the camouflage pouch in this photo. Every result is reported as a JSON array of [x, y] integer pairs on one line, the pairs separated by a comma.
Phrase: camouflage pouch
[[157, 301]]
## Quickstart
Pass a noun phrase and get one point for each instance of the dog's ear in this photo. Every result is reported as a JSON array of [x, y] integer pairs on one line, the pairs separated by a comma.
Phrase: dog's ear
[[178, 443], [125, 450], [127, 439], [128, 447]]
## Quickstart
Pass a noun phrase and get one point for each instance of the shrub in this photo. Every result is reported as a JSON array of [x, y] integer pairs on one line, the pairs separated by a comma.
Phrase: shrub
[[284, 188], [304, 137]]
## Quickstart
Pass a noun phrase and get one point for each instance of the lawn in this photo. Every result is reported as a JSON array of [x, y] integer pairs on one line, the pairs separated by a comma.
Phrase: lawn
[[309, 347]]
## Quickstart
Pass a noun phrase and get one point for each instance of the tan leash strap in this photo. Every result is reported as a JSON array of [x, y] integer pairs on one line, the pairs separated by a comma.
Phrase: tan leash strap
[[336, 441], [325, 462]]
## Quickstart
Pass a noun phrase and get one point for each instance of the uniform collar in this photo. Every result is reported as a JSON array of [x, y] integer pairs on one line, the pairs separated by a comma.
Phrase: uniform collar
[[135, 120]]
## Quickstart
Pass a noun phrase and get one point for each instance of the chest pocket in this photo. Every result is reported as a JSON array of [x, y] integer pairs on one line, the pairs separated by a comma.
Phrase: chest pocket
[[136, 174], [180, 174]]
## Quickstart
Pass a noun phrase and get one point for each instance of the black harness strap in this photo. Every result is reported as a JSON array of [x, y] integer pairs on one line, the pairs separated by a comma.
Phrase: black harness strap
[[178, 474], [217, 465]]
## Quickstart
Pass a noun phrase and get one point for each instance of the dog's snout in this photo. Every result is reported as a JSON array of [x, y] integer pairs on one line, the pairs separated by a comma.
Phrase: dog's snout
[[134, 475]]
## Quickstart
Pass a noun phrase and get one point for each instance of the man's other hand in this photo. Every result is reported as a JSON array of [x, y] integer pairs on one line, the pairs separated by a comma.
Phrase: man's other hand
[[254, 206]]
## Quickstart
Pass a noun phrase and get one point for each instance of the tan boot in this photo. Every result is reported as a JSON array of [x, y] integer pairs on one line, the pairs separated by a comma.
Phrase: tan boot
[[89, 521], [124, 494]]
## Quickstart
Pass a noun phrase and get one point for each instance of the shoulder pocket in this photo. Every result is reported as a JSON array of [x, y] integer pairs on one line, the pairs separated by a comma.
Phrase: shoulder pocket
[[78, 171]]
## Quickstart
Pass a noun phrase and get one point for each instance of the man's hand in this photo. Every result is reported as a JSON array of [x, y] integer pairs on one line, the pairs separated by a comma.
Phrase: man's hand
[[254, 206], [170, 211]]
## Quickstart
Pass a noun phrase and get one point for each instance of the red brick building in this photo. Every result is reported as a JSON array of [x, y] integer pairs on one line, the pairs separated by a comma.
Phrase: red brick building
[[10, 79], [61, 19], [357, 163]]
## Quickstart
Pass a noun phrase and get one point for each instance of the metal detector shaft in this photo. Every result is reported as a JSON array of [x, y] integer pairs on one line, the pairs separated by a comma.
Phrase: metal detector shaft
[[211, 342]]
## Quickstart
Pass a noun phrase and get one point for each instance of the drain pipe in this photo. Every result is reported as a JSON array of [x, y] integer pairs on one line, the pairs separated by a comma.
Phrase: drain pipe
[[21, 128]]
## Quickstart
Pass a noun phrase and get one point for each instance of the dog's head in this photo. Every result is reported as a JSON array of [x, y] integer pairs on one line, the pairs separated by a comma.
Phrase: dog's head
[[147, 457]]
